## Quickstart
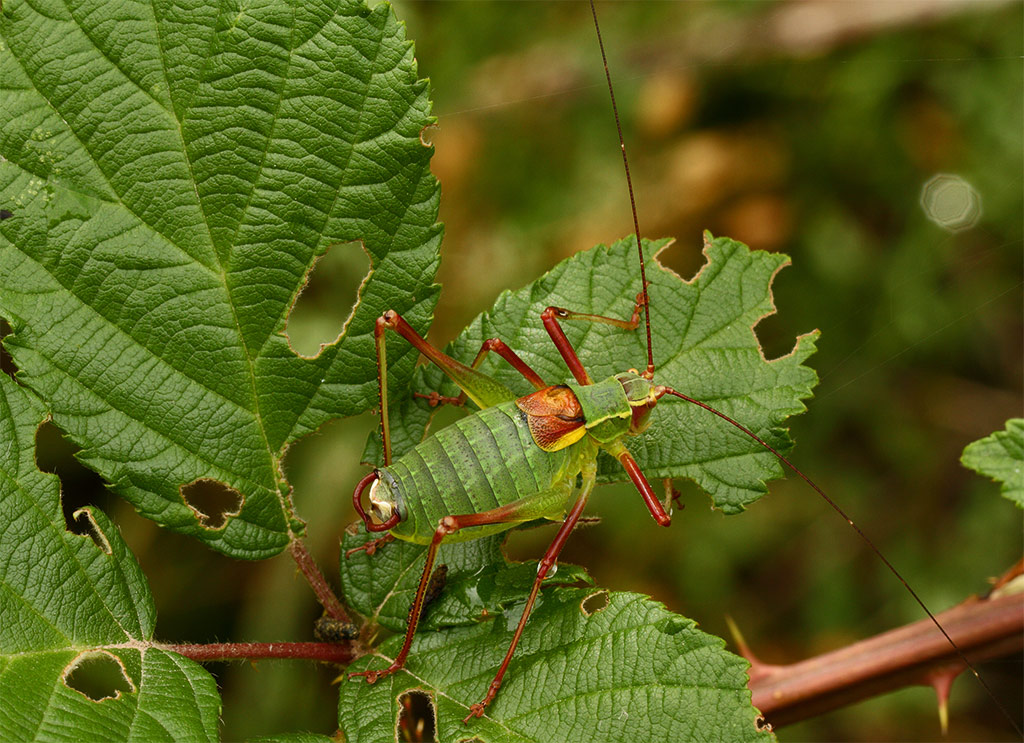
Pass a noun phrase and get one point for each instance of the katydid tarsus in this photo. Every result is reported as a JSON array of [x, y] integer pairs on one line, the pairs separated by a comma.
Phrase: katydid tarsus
[[543, 447]]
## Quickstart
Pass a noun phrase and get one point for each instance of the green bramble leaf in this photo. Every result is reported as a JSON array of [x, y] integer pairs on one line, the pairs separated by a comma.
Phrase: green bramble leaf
[[1001, 457], [630, 671], [596, 665], [76, 617], [479, 583], [172, 174]]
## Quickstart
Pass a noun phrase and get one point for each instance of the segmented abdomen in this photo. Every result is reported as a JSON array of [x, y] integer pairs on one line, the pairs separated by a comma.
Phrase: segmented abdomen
[[482, 461]]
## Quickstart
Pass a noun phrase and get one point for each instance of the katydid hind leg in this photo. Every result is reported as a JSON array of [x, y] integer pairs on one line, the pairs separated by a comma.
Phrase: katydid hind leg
[[503, 350], [448, 525], [481, 389], [545, 565]]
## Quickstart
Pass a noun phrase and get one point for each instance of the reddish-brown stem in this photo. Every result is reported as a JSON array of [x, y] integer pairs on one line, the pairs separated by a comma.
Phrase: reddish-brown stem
[[1009, 575], [322, 589], [324, 652], [981, 628]]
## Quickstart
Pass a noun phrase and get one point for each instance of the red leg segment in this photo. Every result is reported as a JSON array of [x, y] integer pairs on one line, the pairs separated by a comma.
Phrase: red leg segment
[[552, 315], [447, 525], [546, 563], [640, 481], [502, 349], [372, 546], [393, 321]]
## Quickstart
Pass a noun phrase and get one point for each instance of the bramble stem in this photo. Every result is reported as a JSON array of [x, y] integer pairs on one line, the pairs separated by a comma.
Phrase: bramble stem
[[982, 628], [324, 652], [322, 589]]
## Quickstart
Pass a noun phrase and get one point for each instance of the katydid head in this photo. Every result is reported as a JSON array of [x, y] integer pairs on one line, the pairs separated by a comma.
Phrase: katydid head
[[642, 395]]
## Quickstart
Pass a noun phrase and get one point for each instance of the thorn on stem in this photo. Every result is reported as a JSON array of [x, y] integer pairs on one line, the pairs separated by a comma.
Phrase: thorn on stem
[[942, 682], [758, 668]]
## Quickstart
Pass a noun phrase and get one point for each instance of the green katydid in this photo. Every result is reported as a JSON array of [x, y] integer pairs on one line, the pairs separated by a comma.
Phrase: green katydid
[[520, 459]]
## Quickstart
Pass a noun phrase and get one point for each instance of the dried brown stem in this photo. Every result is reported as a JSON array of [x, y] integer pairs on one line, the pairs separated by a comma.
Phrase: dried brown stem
[[322, 589], [324, 652], [915, 654]]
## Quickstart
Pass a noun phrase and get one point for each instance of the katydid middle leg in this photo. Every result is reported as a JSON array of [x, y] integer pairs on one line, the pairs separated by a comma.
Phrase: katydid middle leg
[[551, 317], [480, 388]]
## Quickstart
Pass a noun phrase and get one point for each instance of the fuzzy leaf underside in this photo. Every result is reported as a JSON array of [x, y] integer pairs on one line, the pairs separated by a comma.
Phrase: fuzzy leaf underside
[[62, 595], [1000, 456], [630, 672], [173, 171], [704, 346]]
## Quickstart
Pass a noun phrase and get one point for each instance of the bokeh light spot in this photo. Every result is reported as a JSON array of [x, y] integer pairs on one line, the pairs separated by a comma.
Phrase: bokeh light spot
[[951, 202]]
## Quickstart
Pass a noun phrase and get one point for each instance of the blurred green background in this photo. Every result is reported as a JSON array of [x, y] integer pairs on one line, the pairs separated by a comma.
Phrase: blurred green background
[[812, 128]]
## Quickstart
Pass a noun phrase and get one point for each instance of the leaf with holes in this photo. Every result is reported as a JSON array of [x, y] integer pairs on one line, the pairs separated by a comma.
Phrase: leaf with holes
[[1001, 457], [704, 346], [172, 173], [631, 671], [479, 582], [76, 616]]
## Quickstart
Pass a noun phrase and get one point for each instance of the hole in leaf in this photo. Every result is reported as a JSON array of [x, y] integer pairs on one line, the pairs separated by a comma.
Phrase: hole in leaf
[[325, 303], [427, 134], [686, 260], [329, 629], [7, 365], [85, 524], [6, 214], [474, 739], [79, 485], [417, 717], [762, 725], [594, 603], [98, 675], [212, 502]]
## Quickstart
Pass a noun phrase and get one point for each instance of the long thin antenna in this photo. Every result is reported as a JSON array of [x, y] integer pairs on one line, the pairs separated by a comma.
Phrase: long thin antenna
[[878, 553], [650, 374], [632, 199]]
